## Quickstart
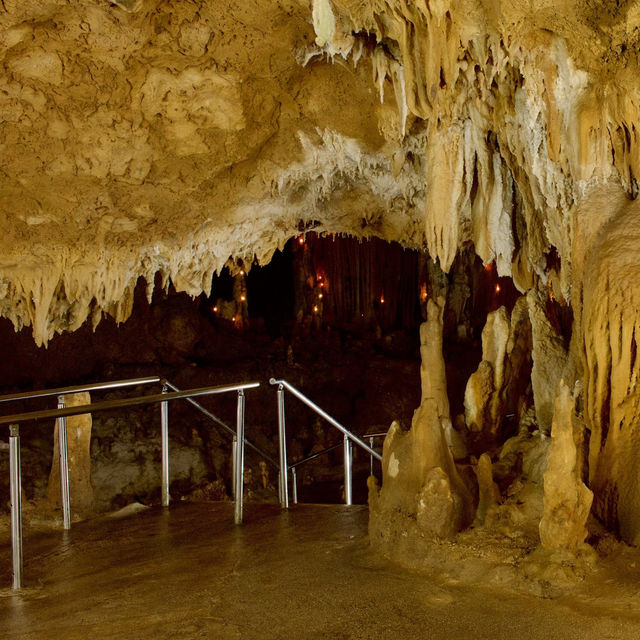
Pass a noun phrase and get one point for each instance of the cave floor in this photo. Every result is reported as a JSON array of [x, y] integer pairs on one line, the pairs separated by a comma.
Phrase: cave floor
[[188, 572]]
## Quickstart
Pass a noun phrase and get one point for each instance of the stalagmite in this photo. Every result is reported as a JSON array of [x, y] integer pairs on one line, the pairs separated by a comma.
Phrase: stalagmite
[[549, 360], [79, 454], [489, 493], [420, 478], [501, 378], [567, 501], [484, 395]]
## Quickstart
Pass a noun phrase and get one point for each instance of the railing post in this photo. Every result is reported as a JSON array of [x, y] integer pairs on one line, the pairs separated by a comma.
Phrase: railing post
[[234, 454], [16, 504], [239, 478], [282, 440], [164, 436], [63, 455], [348, 460], [294, 480]]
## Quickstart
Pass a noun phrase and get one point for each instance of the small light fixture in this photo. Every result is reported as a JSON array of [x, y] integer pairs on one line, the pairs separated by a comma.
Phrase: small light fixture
[[301, 240], [320, 296], [497, 288], [241, 272], [233, 319], [243, 298], [382, 299], [214, 309], [315, 309]]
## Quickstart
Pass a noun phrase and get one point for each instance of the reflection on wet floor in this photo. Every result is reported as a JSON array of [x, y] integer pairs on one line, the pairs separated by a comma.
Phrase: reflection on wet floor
[[188, 572]]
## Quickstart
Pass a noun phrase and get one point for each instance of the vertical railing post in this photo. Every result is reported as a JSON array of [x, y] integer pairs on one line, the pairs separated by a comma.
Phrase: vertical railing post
[[234, 455], [239, 466], [164, 436], [348, 459], [294, 480], [282, 440], [16, 503], [371, 439], [63, 455]]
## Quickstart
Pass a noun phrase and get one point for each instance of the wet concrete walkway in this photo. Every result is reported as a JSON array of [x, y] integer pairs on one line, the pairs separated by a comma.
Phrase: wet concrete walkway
[[190, 573]]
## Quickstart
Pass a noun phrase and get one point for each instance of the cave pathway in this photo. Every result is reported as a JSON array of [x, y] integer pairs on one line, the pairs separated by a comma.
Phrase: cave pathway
[[188, 572]]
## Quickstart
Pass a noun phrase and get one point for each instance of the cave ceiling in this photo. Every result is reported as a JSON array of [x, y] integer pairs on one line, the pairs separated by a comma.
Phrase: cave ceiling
[[143, 137]]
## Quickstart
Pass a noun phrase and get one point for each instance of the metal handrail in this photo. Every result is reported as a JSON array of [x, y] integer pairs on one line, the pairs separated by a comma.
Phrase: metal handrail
[[63, 412], [122, 402], [349, 438], [226, 427], [96, 386], [313, 456]]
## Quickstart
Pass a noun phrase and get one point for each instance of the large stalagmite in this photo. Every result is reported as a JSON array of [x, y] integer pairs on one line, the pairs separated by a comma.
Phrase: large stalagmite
[[567, 501], [420, 479]]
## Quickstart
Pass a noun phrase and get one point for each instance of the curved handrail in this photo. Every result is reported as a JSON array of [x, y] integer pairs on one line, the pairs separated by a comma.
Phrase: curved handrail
[[326, 416]]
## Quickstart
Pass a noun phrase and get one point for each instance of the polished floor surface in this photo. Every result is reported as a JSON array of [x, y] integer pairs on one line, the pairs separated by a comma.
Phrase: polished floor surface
[[188, 572]]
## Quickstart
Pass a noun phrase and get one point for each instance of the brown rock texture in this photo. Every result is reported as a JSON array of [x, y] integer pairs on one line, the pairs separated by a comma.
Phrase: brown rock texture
[[79, 459]]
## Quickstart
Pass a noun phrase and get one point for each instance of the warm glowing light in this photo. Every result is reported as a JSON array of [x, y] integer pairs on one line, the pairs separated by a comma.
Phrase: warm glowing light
[[497, 288], [322, 284], [233, 319], [423, 291], [488, 267], [241, 272], [315, 309], [243, 298], [382, 299], [301, 240], [320, 296], [214, 309]]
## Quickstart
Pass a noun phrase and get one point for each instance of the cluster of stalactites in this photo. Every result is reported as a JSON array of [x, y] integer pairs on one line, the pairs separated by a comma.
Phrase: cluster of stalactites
[[516, 133]]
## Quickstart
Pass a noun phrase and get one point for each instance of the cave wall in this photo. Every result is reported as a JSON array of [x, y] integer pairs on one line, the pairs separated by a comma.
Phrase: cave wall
[[144, 138]]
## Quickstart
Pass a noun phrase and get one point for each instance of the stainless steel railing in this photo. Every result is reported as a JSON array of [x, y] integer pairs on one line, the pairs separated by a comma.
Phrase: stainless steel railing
[[349, 439], [63, 412], [119, 384]]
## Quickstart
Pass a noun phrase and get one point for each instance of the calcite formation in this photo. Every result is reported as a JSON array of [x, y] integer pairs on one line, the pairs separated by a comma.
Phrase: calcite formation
[[567, 501], [79, 459], [143, 138], [420, 479], [499, 381]]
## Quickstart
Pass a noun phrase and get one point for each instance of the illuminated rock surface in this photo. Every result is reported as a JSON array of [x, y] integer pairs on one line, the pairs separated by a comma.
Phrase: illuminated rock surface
[[149, 139]]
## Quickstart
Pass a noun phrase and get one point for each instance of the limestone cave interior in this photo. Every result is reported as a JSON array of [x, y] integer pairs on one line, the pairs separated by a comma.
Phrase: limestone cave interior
[[423, 216]]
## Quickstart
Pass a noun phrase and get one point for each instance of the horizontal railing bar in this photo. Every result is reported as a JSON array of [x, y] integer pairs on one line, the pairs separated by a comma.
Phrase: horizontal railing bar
[[96, 386], [375, 435], [297, 463], [327, 417], [123, 402], [219, 422]]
